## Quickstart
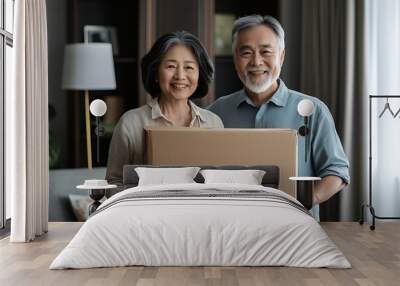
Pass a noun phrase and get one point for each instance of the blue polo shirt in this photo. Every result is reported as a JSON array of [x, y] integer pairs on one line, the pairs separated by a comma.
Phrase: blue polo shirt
[[326, 155]]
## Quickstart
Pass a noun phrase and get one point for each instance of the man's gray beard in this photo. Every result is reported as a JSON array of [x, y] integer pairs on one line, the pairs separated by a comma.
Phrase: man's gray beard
[[261, 87]]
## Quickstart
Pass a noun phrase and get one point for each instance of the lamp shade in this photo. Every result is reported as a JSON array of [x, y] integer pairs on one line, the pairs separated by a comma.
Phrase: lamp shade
[[88, 66]]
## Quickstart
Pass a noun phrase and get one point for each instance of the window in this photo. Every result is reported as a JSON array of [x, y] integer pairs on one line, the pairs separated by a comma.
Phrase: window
[[6, 44]]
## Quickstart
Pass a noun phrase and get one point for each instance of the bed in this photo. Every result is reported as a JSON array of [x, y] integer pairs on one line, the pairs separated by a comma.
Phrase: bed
[[201, 224]]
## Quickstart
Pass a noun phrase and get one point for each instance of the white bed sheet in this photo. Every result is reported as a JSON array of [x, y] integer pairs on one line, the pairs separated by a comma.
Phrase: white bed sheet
[[200, 231]]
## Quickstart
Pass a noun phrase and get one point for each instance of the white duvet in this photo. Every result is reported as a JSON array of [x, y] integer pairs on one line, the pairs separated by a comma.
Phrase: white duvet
[[183, 231]]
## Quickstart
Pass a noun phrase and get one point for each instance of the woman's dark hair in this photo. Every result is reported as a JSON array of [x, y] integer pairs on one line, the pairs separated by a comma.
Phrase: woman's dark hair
[[151, 62]]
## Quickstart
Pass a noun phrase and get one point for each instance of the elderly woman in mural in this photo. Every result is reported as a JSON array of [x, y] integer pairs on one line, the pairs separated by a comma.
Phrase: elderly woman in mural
[[175, 70]]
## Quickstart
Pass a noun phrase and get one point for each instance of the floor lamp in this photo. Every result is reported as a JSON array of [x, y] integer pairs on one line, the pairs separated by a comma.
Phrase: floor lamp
[[88, 66]]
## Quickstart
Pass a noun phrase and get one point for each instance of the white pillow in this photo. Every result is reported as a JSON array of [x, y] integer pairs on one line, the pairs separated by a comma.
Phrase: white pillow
[[248, 177], [162, 176]]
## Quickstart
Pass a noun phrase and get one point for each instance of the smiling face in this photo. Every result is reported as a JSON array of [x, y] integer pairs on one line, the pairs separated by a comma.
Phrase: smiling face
[[258, 58], [178, 74]]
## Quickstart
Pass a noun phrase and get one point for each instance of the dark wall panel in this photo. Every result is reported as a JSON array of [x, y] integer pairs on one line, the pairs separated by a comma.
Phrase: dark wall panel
[[173, 15]]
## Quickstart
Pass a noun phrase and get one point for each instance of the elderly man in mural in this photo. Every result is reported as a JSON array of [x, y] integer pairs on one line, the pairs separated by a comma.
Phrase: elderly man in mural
[[265, 102]]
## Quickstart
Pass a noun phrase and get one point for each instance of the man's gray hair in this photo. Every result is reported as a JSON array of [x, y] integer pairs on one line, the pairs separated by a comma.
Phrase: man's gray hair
[[258, 20]]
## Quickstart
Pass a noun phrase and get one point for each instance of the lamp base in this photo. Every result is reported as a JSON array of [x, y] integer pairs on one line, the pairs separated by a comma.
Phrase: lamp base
[[305, 193], [96, 195]]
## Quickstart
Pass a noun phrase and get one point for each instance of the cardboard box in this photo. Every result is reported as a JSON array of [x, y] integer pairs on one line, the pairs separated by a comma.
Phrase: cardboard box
[[198, 146]]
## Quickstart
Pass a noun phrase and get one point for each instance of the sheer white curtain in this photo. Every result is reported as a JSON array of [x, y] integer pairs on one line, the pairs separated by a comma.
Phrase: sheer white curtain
[[384, 79], [27, 124]]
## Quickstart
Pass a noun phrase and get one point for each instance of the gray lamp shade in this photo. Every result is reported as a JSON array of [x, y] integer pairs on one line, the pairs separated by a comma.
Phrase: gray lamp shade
[[88, 66]]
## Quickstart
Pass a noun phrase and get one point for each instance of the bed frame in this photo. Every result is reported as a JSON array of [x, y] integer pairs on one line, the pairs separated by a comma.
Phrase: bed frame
[[229, 146]]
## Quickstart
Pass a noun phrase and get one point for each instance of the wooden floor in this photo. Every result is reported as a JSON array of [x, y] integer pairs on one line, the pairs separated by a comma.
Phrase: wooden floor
[[374, 255]]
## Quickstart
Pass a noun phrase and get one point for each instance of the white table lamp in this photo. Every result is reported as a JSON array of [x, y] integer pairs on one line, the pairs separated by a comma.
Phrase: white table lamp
[[88, 66]]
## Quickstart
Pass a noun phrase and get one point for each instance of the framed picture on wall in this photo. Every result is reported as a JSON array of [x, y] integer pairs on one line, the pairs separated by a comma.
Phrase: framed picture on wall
[[101, 34]]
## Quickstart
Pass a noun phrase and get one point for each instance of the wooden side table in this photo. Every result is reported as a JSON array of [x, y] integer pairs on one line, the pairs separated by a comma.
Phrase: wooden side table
[[97, 189]]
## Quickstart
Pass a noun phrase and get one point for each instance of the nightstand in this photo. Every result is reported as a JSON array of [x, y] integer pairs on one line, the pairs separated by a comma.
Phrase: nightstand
[[304, 190], [97, 189]]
